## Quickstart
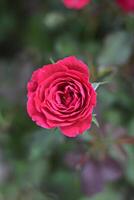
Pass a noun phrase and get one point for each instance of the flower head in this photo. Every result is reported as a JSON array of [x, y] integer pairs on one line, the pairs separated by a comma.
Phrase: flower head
[[60, 95], [76, 4], [126, 5]]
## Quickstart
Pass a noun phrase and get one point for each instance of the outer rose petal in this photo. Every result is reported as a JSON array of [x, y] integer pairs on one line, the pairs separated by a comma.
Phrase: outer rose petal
[[77, 128], [47, 71], [39, 118], [74, 64], [76, 4]]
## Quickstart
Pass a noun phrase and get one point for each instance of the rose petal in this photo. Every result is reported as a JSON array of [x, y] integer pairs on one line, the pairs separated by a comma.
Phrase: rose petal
[[47, 71], [77, 128], [74, 64], [126, 5], [79, 4], [39, 118]]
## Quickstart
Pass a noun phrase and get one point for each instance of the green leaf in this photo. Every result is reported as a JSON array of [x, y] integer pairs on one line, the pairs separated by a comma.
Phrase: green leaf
[[106, 195], [86, 136], [54, 19], [66, 183], [51, 60], [1, 118], [94, 120], [117, 49], [97, 84], [130, 164], [43, 142]]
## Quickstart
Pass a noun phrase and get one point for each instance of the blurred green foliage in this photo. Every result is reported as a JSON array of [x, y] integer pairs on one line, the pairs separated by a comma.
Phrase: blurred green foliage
[[32, 160]]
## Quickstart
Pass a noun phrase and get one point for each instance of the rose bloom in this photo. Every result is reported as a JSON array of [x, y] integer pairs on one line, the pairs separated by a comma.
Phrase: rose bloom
[[60, 95], [126, 5], [76, 4]]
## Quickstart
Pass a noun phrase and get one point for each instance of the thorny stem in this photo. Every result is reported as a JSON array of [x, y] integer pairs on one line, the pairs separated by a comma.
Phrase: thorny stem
[[126, 140]]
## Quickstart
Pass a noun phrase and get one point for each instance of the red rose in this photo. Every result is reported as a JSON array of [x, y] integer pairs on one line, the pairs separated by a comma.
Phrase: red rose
[[60, 95], [126, 5], [76, 4]]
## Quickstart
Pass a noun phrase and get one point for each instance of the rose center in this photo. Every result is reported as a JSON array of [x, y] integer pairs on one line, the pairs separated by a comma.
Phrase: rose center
[[67, 95]]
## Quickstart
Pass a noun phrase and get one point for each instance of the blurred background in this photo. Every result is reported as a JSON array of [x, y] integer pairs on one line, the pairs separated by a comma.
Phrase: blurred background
[[39, 164]]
